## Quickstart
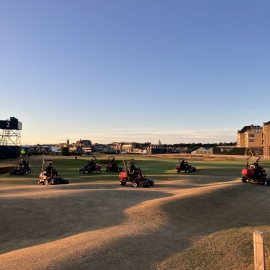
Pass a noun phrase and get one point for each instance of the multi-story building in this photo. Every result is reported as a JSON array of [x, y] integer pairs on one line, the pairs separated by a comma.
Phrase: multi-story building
[[266, 138], [250, 136]]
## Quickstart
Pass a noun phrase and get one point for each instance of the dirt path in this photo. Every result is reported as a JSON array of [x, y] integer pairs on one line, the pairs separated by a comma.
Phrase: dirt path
[[106, 226]]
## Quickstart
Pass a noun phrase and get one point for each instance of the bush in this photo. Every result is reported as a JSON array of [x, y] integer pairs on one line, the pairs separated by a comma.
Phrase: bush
[[65, 151]]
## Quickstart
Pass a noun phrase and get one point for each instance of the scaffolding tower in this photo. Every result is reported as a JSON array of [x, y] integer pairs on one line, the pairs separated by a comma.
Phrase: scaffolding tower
[[10, 132], [10, 137]]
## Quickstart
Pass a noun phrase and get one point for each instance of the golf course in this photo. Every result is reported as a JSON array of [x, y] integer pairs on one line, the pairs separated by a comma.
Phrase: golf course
[[199, 220]]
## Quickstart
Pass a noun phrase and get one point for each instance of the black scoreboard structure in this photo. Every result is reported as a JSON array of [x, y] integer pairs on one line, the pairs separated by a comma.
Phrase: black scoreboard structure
[[10, 138]]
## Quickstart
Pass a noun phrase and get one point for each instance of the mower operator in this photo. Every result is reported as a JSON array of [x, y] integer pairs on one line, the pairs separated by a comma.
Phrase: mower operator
[[22, 163], [49, 169], [132, 169], [91, 164]]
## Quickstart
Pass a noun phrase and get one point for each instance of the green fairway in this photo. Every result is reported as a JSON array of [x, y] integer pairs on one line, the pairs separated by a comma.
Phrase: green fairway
[[156, 168]]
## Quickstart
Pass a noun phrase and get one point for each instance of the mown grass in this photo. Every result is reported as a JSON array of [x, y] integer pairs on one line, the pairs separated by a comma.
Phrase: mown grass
[[158, 168]]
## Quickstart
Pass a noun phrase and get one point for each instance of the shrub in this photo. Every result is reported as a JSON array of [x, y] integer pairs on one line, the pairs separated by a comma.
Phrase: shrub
[[65, 151]]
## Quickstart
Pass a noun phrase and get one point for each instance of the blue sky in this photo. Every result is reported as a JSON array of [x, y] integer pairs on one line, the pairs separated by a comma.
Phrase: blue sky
[[178, 71]]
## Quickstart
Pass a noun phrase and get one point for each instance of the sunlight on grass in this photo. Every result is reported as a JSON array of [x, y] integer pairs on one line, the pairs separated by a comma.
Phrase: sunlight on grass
[[228, 249], [158, 167]]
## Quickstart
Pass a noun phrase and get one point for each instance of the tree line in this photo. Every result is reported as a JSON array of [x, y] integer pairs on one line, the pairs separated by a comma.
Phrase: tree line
[[186, 145]]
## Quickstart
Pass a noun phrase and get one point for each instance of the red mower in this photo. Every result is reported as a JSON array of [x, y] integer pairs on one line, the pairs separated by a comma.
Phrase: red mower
[[184, 166], [134, 175], [91, 166], [111, 165], [254, 173]]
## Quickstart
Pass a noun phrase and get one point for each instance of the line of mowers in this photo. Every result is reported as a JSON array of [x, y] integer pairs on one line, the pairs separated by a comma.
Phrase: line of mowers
[[93, 166], [130, 174], [252, 173], [49, 174]]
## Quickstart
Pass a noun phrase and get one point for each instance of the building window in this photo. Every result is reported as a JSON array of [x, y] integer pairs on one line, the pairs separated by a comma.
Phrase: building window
[[257, 130], [251, 140], [251, 135]]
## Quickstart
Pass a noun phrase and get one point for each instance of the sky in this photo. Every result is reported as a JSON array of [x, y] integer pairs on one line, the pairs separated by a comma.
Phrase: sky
[[178, 71]]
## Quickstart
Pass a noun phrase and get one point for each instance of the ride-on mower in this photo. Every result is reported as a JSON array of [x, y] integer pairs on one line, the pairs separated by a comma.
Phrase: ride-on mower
[[184, 166], [22, 168], [111, 165], [91, 166], [134, 175], [49, 175], [254, 173]]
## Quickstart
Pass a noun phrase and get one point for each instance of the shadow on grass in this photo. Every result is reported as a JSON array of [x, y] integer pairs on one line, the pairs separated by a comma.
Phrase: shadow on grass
[[31, 219], [189, 219]]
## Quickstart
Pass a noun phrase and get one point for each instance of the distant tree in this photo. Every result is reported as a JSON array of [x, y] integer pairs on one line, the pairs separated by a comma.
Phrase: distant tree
[[65, 151]]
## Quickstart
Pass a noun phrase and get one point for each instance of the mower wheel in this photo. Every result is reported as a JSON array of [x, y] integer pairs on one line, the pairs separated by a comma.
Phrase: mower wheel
[[46, 182], [265, 182], [135, 184], [123, 183], [98, 172], [187, 171], [86, 172], [107, 170], [178, 171], [244, 179]]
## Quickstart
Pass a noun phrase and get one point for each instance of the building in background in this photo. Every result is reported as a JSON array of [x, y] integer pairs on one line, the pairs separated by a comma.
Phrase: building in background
[[266, 138], [250, 136]]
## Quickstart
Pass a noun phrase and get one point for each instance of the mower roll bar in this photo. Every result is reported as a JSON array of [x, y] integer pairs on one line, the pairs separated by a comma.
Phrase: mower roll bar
[[44, 162], [128, 162], [256, 160]]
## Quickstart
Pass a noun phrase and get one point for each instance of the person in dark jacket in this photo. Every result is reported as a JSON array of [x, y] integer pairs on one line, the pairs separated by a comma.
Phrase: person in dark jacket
[[49, 170], [22, 164], [132, 168], [91, 164]]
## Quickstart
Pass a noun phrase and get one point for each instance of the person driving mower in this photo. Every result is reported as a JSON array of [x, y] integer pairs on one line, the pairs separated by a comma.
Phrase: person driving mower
[[132, 168], [255, 173], [22, 164], [258, 170], [134, 175], [49, 175], [21, 168], [91, 164], [49, 172]]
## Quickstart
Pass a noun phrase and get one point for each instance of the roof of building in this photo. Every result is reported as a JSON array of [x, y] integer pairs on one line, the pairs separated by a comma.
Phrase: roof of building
[[205, 147], [244, 129]]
